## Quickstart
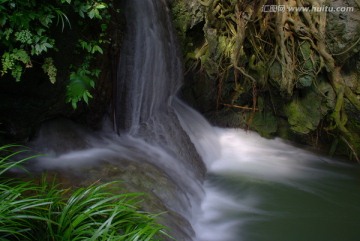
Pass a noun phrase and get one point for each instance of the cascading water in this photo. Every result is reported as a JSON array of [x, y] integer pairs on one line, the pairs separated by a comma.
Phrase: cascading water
[[150, 74], [255, 189], [150, 69], [151, 144]]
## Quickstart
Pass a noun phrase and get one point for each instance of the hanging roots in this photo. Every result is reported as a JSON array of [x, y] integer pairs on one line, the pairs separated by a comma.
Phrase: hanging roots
[[283, 49]]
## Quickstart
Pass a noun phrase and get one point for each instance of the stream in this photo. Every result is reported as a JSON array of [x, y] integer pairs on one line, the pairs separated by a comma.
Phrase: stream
[[213, 184]]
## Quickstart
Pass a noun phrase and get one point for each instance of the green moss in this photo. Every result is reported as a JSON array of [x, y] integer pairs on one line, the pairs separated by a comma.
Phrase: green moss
[[182, 18], [302, 117], [264, 123], [304, 113]]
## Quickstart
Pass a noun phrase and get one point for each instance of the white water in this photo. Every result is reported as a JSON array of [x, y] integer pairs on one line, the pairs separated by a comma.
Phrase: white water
[[260, 189], [268, 190]]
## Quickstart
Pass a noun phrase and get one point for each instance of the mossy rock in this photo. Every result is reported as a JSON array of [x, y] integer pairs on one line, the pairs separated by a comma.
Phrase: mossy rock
[[304, 113], [186, 14], [303, 116], [264, 123]]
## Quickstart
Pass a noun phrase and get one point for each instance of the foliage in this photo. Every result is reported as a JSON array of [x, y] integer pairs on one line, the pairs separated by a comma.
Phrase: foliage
[[50, 69], [46, 212], [81, 82], [28, 27]]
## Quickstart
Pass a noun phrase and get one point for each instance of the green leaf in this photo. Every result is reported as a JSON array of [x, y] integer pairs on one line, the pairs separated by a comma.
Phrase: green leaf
[[81, 13], [78, 88], [14, 61], [16, 72], [96, 48], [92, 14], [50, 69], [74, 104], [46, 20], [47, 45], [40, 31], [85, 97], [88, 94], [24, 36], [21, 55], [100, 6], [7, 33], [63, 18], [7, 62]]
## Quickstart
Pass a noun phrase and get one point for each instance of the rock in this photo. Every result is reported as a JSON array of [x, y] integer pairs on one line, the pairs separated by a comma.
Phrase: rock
[[265, 124], [343, 29], [304, 113]]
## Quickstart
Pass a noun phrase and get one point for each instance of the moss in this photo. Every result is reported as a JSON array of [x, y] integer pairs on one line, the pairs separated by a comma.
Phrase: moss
[[307, 110], [301, 118], [186, 16], [182, 17], [304, 113], [265, 124]]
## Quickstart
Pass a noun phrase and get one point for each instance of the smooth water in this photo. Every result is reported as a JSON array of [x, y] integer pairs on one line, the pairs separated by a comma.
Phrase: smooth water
[[264, 190], [267, 190], [254, 190]]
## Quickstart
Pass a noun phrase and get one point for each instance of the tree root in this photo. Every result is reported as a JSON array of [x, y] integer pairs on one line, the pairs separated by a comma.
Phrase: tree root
[[259, 40]]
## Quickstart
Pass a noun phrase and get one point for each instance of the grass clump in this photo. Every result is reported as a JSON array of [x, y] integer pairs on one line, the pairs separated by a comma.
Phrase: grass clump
[[44, 212]]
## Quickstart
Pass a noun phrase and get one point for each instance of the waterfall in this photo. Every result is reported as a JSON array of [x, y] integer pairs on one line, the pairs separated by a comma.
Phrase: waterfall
[[255, 189], [149, 149], [150, 74], [150, 71]]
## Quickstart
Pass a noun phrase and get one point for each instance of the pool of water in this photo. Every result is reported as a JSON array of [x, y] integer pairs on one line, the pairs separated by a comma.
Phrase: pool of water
[[267, 190]]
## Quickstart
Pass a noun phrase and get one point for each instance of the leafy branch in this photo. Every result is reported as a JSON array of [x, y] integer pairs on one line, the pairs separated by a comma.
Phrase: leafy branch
[[27, 30]]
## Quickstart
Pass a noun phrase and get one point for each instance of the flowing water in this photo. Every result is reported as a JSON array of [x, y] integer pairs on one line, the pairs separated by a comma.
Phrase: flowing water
[[267, 190], [254, 189]]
